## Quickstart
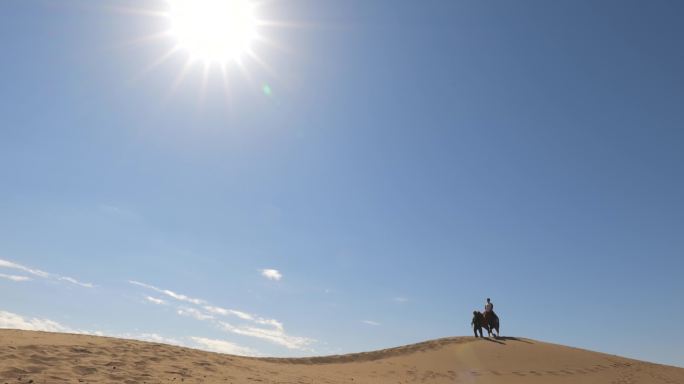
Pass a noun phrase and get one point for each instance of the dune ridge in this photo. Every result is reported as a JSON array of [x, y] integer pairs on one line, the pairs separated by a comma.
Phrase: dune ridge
[[41, 357]]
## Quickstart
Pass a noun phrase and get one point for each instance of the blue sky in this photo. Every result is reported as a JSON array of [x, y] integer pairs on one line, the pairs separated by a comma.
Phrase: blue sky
[[412, 159]]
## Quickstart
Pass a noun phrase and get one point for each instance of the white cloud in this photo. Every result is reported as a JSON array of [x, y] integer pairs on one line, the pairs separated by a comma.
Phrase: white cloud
[[14, 277], [152, 337], [272, 274], [274, 323], [223, 346], [155, 300], [180, 297], [371, 322], [244, 316], [144, 285], [39, 273], [14, 321], [171, 294], [35, 272], [217, 310], [74, 281], [400, 299], [228, 312], [276, 336], [194, 313], [241, 315], [205, 312]]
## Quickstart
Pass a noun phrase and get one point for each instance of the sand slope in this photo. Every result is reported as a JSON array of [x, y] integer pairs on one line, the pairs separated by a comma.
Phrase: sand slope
[[41, 357]]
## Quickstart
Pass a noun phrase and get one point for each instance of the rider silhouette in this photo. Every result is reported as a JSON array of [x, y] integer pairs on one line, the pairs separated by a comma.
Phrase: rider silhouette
[[489, 306], [477, 323], [489, 315]]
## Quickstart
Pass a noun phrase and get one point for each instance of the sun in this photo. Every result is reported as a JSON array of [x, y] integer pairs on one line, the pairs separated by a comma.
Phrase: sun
[[213, 31], [213, 40]]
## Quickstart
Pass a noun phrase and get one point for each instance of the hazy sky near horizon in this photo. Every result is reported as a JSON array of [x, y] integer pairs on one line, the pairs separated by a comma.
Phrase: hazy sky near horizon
[[410, 160]]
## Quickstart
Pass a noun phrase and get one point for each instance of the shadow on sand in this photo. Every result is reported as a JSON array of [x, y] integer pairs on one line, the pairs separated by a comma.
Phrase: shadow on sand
[[500, 340]]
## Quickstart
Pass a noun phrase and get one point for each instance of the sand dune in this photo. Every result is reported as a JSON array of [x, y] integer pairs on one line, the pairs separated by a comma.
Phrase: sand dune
[[41, 357]]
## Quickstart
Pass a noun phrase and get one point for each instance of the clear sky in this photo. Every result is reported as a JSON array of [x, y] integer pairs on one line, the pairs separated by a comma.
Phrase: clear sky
[[366, 180]]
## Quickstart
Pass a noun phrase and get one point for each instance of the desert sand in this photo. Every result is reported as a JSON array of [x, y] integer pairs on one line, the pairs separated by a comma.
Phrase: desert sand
[[41, 357]]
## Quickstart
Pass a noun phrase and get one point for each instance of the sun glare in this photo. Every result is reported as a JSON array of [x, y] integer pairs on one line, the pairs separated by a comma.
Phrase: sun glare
[[213, 37], [213, 31]]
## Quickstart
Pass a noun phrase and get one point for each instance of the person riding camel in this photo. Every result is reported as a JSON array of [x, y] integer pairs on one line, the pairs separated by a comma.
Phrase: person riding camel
[[489, 306], [489, 314]]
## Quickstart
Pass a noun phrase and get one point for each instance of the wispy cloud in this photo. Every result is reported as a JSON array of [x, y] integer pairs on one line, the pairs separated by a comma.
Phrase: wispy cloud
[[272, 274], [223, 346], [194, 313], [274, 335], [228, 312], [258, 327], [12, 265], [244, 316], [74, 281], [14, 277], [155, 300], [14, 321], [400, 299], [38, 273], [170, 294], [152, 337], [371, 322]]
